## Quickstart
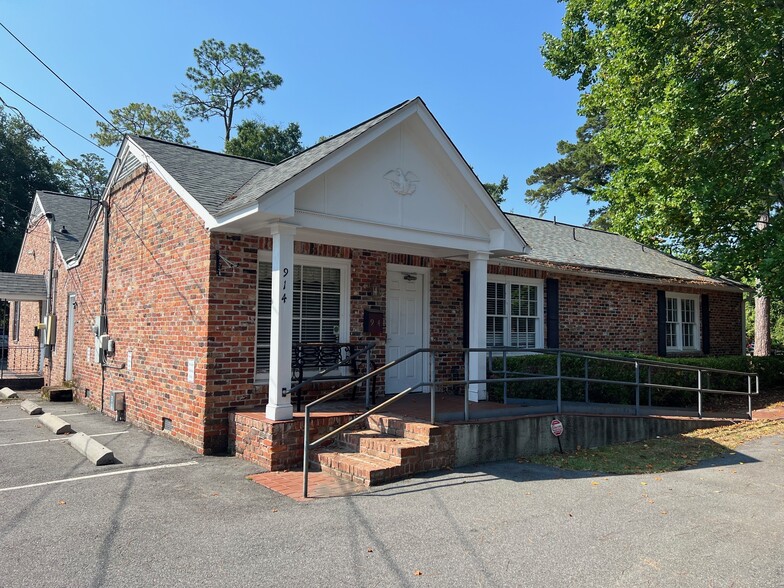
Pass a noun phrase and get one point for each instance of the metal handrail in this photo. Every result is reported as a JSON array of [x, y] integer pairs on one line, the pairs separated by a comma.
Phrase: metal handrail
[[559, 377], [308, 445]]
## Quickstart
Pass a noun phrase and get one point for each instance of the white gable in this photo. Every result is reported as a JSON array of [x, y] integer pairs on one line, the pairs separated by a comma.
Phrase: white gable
[[399, 186]]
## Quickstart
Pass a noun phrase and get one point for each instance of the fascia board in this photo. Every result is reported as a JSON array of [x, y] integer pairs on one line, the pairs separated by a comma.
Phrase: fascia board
[[194, 204], [616, 278]]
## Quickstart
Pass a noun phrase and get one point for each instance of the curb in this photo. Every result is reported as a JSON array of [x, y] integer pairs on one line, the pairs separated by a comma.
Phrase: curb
[[8, 393], [90, 448], [31, 407], [55, 424]]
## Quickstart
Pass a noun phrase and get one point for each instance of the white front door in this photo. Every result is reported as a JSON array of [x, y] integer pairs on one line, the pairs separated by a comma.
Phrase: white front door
[[69, 337], [405, 323]]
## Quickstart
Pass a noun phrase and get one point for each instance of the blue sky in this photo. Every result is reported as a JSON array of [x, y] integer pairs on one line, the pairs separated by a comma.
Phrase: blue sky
[[477, 65]]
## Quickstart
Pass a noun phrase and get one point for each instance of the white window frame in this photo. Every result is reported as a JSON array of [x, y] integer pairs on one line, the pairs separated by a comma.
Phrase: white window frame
[[344, 265], [680, 297], [508, 281]]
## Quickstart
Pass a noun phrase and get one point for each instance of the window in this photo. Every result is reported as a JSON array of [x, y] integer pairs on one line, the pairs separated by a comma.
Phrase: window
[[320, 303], [17, 316], [514, 313], [682, 328]]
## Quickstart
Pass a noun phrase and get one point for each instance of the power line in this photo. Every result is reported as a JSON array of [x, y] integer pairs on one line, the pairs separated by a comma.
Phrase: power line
[[36, 131], [67, 85], [55, 119]]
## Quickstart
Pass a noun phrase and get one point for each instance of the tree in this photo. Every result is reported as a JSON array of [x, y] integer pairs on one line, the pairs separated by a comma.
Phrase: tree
[[225, 79], [581, 171], [85, 176], [141, 119], [24, 168], [497, 191], [269, 143], [692, 97]]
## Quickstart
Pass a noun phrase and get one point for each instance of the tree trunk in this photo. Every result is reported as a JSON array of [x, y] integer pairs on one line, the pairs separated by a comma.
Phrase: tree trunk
[[762, 341]]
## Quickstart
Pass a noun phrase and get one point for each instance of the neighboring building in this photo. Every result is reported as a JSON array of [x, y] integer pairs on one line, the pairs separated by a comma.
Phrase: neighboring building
[[215, 264]]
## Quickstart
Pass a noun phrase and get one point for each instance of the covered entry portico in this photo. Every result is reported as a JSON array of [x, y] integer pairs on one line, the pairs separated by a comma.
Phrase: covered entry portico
[[390, 220], [18, 360]]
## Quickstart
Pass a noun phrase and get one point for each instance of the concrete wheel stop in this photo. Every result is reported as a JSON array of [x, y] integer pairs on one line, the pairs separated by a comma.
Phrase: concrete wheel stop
[[90, 448], [55, 424], [6, 393], [31, 407]]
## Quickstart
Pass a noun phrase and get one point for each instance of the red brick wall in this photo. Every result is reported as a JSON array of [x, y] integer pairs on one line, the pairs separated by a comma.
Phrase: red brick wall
[[157, 309]]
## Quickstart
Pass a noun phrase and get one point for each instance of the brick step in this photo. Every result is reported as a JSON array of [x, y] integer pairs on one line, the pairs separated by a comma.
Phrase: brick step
[[398, 450], [358, 467], [406, 428]]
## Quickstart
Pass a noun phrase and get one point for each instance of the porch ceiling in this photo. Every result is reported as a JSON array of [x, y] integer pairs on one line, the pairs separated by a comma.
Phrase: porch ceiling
[[22, 287]]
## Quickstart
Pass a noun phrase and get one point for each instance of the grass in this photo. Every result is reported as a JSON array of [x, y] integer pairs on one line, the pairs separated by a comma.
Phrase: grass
[[663, 454]]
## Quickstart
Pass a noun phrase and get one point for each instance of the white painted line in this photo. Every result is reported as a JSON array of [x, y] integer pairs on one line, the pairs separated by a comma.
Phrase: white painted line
[[115, 473], [60, 439], [67, 414]]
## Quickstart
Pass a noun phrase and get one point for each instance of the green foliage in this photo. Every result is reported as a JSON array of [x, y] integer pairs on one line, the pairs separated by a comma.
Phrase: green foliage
[[497, 191], [581, 169], [24, 168], [692, 98], [225, 79], [269, 143], [85, 176], [141, 119]]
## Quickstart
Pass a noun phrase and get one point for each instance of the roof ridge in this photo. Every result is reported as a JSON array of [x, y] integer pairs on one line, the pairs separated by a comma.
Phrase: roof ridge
[[195, 148]]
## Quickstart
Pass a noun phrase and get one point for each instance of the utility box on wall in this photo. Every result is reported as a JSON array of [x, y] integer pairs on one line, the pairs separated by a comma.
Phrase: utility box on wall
[[117, 404]]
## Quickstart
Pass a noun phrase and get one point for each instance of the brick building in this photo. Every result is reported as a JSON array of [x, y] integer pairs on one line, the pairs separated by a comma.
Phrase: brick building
[[198, 272]]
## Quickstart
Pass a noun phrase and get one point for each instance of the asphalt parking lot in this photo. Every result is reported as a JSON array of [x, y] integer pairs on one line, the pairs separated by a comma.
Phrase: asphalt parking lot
[[167, 516]]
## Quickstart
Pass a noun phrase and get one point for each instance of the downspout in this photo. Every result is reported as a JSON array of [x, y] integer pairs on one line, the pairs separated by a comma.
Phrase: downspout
[[104, 323], [49, 298]]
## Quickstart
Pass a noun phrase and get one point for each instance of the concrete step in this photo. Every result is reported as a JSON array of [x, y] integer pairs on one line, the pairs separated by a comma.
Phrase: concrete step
[[357, 467], [397, 450]]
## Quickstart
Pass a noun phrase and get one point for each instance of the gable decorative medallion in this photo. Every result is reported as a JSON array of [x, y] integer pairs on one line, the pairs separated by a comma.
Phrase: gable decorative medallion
[[402, 183]]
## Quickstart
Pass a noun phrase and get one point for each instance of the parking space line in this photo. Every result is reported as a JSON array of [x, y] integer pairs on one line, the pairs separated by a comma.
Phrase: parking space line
[[114, 473], [67, 414], [59, 439]]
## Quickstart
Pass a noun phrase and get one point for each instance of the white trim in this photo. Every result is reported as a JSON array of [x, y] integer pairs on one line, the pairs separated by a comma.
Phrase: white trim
[[507, 281], [679, 296], [344, 265], [599, 275]]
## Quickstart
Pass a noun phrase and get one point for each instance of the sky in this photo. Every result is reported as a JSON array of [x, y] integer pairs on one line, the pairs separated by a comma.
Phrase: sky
[[477, 65]]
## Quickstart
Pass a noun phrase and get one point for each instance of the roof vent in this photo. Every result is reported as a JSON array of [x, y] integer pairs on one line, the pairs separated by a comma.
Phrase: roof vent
[[64, 231], [574, 233], [555, 221]]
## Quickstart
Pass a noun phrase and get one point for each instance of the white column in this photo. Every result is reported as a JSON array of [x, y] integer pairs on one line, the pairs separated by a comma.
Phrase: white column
[[279, 407], [477, 324]]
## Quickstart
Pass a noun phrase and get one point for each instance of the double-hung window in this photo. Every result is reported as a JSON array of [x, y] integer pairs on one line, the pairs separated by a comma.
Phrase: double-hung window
[[514, 312], [683, 333], [320, 299]]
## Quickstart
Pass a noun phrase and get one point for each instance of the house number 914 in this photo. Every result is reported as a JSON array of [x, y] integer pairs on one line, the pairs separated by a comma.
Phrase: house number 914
[[285, 275]]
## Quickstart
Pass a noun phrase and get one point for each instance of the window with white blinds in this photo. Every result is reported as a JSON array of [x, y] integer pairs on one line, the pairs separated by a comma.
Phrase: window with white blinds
[[320, 304], [514, 313]]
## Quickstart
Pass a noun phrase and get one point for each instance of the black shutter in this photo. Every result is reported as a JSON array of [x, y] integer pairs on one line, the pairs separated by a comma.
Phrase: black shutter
[[553, 335], [466, 305], [661, 302], [705, 330]]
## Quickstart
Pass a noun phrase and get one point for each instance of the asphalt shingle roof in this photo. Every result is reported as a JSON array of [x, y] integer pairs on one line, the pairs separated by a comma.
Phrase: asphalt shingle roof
[[22, 286], [207, 176], [568, 245], [70, 212]]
